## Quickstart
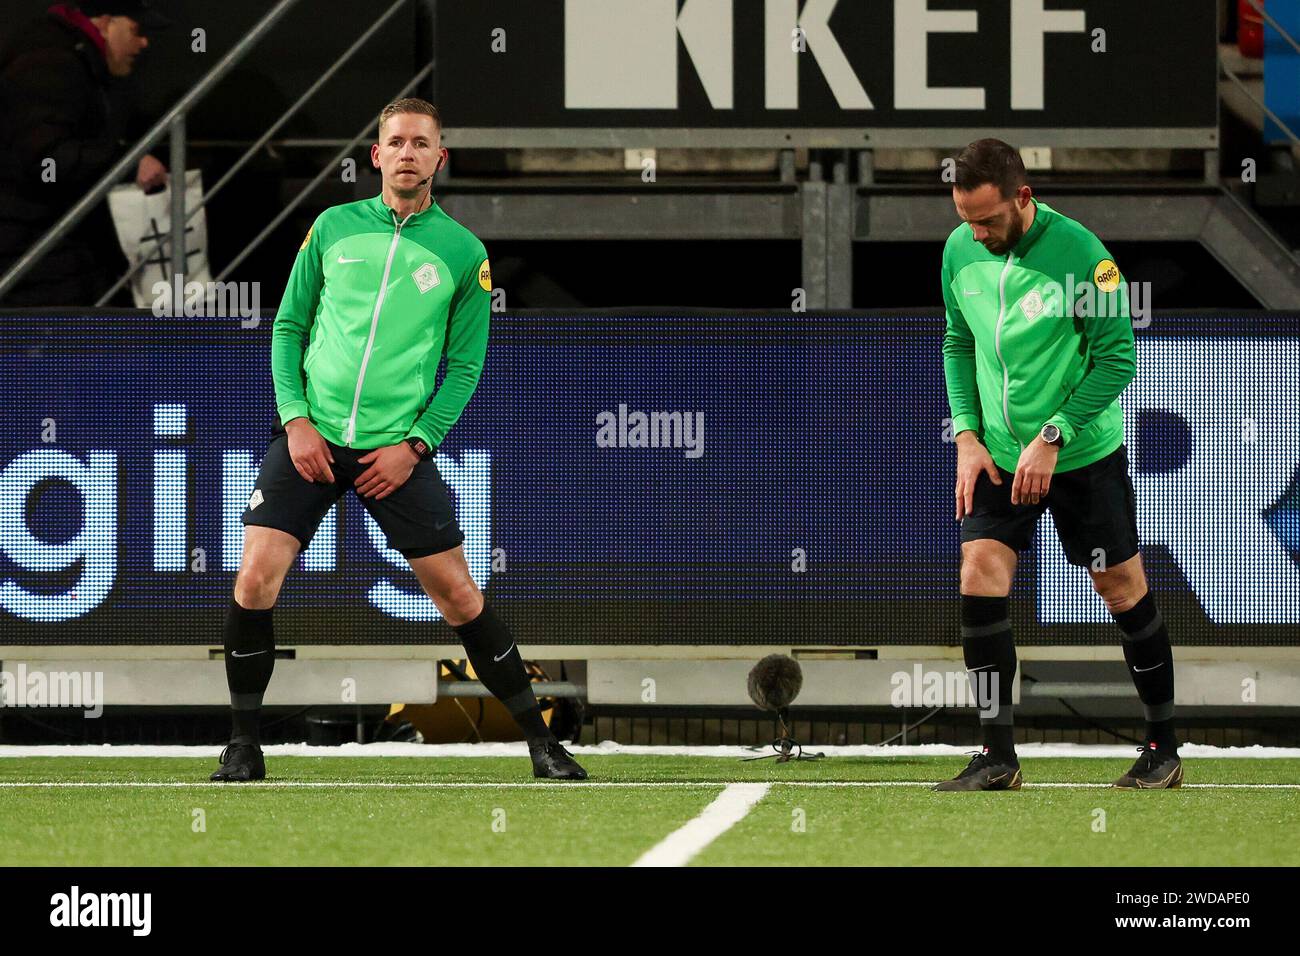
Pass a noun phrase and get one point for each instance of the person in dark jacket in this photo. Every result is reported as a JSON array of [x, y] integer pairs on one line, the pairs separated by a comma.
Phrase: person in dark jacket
[[61, 129]]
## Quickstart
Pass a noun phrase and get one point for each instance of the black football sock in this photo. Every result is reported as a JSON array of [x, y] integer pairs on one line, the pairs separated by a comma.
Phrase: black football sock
[[250, 658], [1151, 665], [990, 653], [495, 657]]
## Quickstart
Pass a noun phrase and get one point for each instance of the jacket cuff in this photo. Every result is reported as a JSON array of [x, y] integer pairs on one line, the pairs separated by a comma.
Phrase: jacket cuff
[[291, 410], [968, 422]]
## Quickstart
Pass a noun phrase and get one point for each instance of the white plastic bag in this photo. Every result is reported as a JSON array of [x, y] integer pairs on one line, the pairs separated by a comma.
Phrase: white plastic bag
[[143, 225]]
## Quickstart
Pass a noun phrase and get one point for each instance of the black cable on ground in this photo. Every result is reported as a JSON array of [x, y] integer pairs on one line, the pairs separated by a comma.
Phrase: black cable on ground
[[1088, 720], [906, 730], [225, 739]]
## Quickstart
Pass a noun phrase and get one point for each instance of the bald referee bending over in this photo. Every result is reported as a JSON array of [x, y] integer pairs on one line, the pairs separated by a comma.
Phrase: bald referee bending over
[[380, 291]]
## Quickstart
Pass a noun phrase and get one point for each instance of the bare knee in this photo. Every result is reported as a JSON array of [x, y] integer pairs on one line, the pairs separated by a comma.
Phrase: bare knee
[[268, 556], [987, 570], [1117, 591], [254, 590], [257, 585], [1121, 586], [460, 602]]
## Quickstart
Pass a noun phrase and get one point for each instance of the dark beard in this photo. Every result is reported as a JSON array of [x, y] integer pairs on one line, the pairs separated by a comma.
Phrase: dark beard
[[1013, 238]]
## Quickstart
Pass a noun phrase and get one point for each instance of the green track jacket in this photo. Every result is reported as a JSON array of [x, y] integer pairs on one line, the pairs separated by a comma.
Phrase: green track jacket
[[1041, 335], [371, 306]]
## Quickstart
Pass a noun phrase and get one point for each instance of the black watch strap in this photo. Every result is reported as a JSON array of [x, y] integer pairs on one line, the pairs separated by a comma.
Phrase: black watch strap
[[421, 448]]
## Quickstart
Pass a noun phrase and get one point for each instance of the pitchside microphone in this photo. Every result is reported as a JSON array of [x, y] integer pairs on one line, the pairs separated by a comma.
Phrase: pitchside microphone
[[774, 683]]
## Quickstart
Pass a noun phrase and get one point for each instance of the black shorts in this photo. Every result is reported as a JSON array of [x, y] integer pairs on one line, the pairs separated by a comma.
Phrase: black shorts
[[418, 518], [1093, 507]]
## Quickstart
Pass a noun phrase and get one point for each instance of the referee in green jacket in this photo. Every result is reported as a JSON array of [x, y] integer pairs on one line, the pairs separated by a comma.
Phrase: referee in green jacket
[[380, 292], [1037, 349]]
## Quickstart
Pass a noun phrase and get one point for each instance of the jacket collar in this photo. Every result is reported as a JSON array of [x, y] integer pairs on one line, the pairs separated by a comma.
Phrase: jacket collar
[[1041, 215], [387, 213]]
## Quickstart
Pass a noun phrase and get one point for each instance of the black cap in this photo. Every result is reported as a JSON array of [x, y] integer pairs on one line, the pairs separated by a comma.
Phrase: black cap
[[141, 11]]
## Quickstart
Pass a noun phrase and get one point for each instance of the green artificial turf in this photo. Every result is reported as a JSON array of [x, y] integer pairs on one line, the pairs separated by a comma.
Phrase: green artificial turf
[[380, 811]]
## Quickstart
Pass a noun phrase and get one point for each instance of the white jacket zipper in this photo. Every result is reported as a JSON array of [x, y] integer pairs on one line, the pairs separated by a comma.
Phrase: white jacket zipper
[[350, 430], [997, 344]]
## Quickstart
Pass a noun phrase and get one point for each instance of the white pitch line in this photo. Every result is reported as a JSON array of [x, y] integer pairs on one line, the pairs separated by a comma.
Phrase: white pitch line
[[608, 748], [727, 809], [369, 785], [555, 784]]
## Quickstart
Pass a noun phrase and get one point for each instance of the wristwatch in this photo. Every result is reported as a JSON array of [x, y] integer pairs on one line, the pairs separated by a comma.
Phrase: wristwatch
[[1051, 434], [420, 447]]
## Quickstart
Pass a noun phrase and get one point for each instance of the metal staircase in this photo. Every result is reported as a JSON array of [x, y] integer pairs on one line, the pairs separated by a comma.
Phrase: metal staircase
[[172, 126]]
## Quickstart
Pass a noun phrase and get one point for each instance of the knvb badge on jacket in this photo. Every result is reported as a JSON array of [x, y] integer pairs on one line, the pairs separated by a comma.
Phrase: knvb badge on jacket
[[426, 277], [1032, 305]]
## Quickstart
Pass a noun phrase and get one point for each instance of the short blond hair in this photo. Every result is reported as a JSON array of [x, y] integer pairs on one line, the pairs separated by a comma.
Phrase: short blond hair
[[411, 104]]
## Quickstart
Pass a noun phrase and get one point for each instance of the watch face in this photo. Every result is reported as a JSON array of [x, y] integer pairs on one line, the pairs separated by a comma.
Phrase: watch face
[[1051, 434]]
